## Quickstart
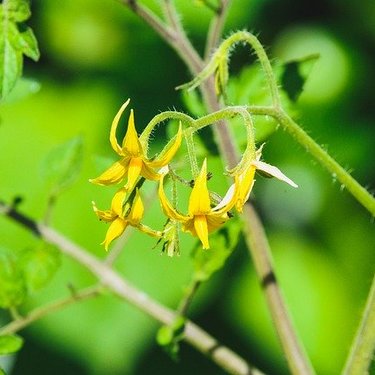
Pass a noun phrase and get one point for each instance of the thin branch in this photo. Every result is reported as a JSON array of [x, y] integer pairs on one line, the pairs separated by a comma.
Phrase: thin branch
[[216, 28], [258, 245], [188, 297], [151, 19], [43, 311], [177, 38], [198, 338], [363, 347]]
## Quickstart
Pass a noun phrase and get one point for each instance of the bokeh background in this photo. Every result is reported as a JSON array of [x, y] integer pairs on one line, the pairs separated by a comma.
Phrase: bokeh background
[[94, 55]]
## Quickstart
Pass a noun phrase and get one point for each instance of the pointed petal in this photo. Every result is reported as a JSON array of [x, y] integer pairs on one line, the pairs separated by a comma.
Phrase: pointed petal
[[131, 144], [199, 201], [246, 182], [229, 201], [215, 221], [118, 201], [137, 210], [273, 171], [149, 173], [200, 226], [113, 175], [106, 215], [167, 207], [134, 170], [115, 230], [112, 135], [169, 151]]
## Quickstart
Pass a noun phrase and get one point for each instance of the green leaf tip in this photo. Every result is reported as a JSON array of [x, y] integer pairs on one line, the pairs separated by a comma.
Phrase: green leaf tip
[[16, 40]]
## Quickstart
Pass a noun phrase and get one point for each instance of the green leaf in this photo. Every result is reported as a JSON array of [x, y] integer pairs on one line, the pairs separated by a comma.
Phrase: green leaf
[[169, 337], [62, 165], [295, 74], [39, 265], [16, 39], [222, 243], [2, 372], [10, 344], [23, 88], [12, 285]]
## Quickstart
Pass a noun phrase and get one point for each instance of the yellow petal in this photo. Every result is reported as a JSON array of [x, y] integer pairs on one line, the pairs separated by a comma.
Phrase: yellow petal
[[117, 202], [246, 181], [199, 201], [166, 206], [215, 221], [168, 152], [115, 230], [134, 170], [137, 210], [200, 226], [107, 215], [131, 145], [112, 135], [114, 174], [149, 173]]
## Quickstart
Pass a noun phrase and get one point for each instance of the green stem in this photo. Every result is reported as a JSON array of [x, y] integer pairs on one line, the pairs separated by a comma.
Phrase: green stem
[[324, 159], [191, 152], [363, 347], [43, 311]]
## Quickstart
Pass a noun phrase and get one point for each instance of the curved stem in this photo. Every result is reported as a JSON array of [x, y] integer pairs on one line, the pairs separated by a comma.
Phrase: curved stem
[[324, 159], [363, 347]]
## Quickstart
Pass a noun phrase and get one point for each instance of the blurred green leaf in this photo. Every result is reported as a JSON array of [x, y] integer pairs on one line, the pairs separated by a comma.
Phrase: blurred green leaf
[[295, 74], [10, 344], [23, 88], [62, 165], [222, 244], [39, 265], [16, 39], [12, 285], [169, 337], [2, 372]]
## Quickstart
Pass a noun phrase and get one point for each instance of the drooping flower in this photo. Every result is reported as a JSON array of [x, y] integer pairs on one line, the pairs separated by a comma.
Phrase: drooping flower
[[120, 216], [201, 218], [246, 178], [134, 161]]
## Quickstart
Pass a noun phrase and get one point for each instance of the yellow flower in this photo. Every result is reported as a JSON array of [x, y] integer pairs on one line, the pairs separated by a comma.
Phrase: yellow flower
[[134, 161], [201, 218], [120, 217], [246, 178]]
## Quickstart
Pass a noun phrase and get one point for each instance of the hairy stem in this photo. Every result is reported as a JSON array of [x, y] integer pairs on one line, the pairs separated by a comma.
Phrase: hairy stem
[[363, 347], [324, 159], [216, 28]]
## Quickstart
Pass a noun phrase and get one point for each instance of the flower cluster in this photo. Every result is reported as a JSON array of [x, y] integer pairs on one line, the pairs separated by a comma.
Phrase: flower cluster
[[134, 167]]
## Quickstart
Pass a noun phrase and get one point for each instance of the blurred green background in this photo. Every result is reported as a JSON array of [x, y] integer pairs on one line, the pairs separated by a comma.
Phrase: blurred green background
[[94, 55]]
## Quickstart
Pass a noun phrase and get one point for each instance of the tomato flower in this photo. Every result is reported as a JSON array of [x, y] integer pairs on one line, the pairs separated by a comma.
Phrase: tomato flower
[[246, 178], [134, 161], [201, 218], [120, 216]]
